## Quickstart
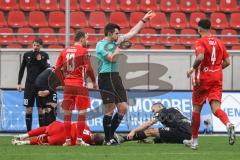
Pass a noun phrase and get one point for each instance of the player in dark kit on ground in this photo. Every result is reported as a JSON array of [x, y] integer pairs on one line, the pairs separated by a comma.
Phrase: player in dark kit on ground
[[211, 59], [177, 126], [36, 61], [46, 84]]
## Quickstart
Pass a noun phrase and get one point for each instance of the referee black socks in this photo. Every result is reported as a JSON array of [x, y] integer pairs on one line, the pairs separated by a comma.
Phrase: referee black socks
[[28, 119], [41, 119], [139, 136], [117, 118], [107, 126]]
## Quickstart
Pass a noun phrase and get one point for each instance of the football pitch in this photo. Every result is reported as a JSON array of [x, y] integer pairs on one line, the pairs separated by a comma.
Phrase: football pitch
[[211, 148]]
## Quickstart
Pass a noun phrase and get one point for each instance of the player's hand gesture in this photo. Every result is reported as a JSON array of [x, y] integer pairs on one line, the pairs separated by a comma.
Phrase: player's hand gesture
[[19, 87], [189, 72], [95, 86], [149, 15], [130, 135]]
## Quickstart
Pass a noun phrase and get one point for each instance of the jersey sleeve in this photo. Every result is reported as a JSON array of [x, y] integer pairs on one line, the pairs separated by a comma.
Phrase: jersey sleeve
[[224, 50], [199, 48], [58, 68]]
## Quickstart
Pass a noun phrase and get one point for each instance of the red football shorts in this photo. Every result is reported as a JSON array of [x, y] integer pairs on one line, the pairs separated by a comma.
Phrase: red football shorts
[[56, 133], [211, 92]]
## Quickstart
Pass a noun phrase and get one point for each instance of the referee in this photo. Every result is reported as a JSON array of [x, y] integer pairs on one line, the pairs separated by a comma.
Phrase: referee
[[35, 61], [110, 83]]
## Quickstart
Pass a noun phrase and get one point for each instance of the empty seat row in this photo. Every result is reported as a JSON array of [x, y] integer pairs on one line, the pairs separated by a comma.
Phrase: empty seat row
[[78, 19], [125, 5]]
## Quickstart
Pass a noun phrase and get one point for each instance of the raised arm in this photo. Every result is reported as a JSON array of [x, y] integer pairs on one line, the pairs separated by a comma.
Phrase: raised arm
[[21, 73]]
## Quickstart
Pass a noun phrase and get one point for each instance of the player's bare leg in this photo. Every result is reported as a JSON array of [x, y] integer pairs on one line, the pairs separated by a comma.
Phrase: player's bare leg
[[218, 112], [80, 127]]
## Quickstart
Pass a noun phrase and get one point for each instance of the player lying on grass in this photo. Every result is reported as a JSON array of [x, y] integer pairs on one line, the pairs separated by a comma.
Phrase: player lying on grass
[[177, 126], [54, 134]]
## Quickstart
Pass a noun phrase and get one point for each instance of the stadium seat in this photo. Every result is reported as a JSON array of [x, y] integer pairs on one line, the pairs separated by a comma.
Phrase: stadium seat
[[213, 32], [25, 39], [78, 19], [157, 46], [2, 20], [109, 5], [236, 47], [195, 17], [17, 19], [169, 6], [229, 40], [37, 19], [235, 20], [166, 38], [188, 6], [7, 39], [137, 46], [135, 17], [95, 21], [14, 45], [147, 39], [146, 5], [134, 40], [89, 5], [219, 20], [74, 6], [159, 21], [119, 18], [178, 20], [228, 6], [178, 47], [46, 37], [92, 39], [129, 5], [49, 5], [28, 5], [7, 5], [62, 38], [187, 37], [57, 19], [208, 5], [55, 46]]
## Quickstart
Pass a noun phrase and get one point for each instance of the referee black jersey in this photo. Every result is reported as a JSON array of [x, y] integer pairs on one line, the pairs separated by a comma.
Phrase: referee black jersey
[[34, 67], [173, 118]]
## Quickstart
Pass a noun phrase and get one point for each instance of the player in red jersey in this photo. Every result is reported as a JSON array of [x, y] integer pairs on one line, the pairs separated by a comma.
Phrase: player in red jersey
[[211, 59], [72, 67], [54, 134]]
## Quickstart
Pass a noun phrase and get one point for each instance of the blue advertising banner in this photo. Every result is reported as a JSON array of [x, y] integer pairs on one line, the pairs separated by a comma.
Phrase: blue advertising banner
[[12, 117]]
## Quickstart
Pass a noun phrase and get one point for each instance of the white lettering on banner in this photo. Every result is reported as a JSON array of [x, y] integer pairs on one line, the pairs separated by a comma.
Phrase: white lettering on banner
[[147, 104], [176, 103], [231, 105]]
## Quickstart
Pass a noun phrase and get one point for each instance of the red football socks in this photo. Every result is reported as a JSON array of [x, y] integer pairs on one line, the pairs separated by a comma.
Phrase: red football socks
[[37, 132], [80, 125], [67, 124], [222, 116], [195, 124]]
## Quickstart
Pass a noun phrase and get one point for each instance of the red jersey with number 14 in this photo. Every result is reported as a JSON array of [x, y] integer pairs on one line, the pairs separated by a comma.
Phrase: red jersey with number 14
[[210, 70], [73, 63]]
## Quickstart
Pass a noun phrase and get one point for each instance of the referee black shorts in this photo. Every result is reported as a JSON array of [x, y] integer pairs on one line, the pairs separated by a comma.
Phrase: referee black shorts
[[30, 94], [172, 135], [111, 88]]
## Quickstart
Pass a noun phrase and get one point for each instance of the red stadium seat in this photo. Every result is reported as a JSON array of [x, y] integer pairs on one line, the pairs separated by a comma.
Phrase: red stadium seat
[[119, 18], [134, 40], [8, 5], [213, 32], [159, 21], [129, 5], [208, 5], [166, 37], [28, 5], [78, 19], [178, 47], [137, 46], [46, 37], [6, 39], [2, 20], [178, 20], [235, 20], [188, 36], [228, 6], [17, 19], [49, 5], [92, 40], [229, 40], [236, 47], [109, 5], [195, 18], [147, 5], [219, 21], [37, 19], [169, 6], [89, 5], [62, 38], [148, 40], [74, 6], [25, 39], [188, 5], [57, 19], [95, 21], [54, 46], [135, 17], [14, 45], [157, 46]]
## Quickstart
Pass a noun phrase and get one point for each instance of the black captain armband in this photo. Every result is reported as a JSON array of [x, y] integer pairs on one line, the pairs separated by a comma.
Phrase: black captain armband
[[143, 21]]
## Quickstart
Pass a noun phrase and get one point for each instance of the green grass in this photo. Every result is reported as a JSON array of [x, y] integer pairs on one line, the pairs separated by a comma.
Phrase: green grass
[[211, 148]]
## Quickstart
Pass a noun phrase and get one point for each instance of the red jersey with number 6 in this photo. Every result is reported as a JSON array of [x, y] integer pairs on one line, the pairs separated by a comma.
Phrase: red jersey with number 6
[[210, 70], [73, 63]]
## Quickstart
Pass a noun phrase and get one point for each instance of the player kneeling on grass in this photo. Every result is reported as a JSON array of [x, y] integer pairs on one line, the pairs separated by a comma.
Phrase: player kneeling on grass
[[54, 134], [177, 126]]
